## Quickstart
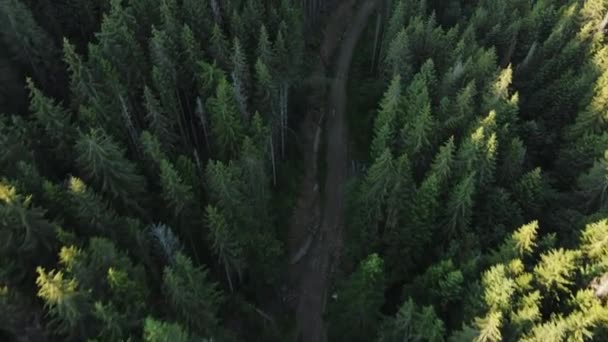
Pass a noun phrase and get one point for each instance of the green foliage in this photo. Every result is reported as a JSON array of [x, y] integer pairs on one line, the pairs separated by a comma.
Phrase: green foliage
[[384, 126], [62, 298], [158, 122], [460, 205], [149, 184], [103, 162], [192, 296], [412, 323], [525, 237], [355, 313], [175, 192], [28, 43], [158, 331], [53, 119], [226, 126], [25, 233], [555, 269]]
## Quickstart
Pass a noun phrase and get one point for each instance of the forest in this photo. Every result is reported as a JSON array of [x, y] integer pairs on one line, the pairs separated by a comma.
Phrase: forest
[[303, 170]]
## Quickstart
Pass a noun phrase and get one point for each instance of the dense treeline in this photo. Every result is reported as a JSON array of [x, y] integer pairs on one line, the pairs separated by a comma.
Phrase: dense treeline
[[149, 153]]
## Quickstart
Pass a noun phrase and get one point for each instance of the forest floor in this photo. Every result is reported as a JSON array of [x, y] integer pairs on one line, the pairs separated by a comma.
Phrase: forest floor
[[316, 240]]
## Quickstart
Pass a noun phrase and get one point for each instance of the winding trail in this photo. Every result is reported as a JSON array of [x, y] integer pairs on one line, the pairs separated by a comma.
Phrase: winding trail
[[314, 279]]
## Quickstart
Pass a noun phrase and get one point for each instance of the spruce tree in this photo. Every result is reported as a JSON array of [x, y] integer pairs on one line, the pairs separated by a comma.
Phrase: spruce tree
[[103, 162], [191, 295], [226, 128], [355, 313]]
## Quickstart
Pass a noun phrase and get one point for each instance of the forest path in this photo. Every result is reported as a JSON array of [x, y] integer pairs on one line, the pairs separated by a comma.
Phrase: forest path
[[316, 268]]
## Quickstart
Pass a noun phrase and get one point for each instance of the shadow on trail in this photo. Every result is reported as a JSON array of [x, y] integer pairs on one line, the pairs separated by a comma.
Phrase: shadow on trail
[[325, 249]]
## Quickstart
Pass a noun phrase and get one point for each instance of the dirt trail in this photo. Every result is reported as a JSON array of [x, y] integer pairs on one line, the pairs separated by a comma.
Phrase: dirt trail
[[314, 270]]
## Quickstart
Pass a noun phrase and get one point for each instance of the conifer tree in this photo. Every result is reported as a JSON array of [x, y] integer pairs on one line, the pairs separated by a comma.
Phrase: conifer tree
[[226, 127], [54, 120], [192, 296], [240, 78], [355, 314], [117, 43], [26, 234], [197, 15], [225, 244], [92, 213], [388, 114], [103, 162], [219, 46], [264, 48], [417, 122], [398, 55], [158, 122], [165, 75], [66, 304], [159, 331], [176, 192], [191, 56], [28, 42], [395, 24], [412, 323], [460, 205]]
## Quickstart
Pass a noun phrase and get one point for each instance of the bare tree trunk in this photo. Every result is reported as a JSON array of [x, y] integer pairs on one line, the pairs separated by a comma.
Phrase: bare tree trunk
[[229, 278], [200, 113], [376, 39], [130, 127], [274, 167], [180, 119], [283, 97]]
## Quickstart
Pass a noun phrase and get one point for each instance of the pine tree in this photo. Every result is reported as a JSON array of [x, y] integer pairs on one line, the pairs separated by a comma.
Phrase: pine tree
[[395, 24], [28, 42], [530, 191], [219, 46], [412, 323], [192, 54], [159, 331], [158, 122], [384, 125], [264, 89], [91, 212], [226, 127], [593, 240], [103, 162], [193, 297], [593, 182], [54, 120], [165, 75], [460, 205], [355, 314], [67, 305], [378, 182], [176, 192], [398, 56], [417, 122], [26, 235], [240, 78], [225, 244], [555, 269], [117, 43], [489, 327], [264, 48], [443, 163], [198, 17], [525, 238]]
